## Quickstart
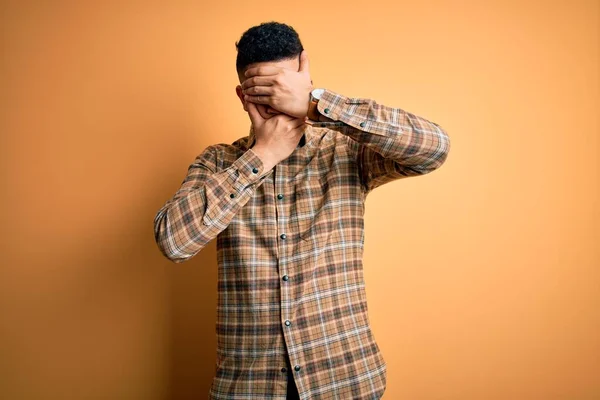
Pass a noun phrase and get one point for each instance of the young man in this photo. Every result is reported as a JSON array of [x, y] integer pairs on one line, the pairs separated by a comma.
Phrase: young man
[[286, 205]]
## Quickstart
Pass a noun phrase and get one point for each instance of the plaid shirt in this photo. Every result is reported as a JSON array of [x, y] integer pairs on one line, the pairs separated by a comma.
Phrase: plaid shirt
[[290, 245]]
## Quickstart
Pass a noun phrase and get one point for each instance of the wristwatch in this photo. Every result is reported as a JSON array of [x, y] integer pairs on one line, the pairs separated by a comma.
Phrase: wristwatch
[[315, 96]]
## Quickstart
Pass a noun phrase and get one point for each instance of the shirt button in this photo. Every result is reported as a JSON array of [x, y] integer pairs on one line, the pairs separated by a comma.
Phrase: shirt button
[[283, 236], [297, 368], [255, 170], [284, 369], [280, 196], [285, 278], [362, 124], [287, 322], [327, 111], [232, 195]]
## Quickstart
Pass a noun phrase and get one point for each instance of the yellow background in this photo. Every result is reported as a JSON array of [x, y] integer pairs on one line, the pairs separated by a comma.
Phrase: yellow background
[[482, 277]]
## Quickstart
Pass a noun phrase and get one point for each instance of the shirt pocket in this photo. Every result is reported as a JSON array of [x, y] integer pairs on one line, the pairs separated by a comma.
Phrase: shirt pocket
[[312, 210]]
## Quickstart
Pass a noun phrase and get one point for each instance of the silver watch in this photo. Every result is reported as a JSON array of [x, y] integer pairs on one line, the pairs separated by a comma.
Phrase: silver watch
[[315, 94]]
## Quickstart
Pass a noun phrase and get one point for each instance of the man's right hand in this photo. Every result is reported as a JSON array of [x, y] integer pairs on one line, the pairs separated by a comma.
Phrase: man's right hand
[[276, 137]]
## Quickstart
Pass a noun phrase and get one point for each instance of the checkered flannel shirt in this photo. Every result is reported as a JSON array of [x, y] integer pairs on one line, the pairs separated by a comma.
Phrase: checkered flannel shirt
[[291, 290]]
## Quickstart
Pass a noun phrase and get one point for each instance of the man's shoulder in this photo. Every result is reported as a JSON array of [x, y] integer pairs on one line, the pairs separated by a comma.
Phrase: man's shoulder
[[241, 143], [225, 151]]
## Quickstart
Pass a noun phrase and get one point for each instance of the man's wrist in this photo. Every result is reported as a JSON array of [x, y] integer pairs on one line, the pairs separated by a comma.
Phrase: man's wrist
[[267, 157]]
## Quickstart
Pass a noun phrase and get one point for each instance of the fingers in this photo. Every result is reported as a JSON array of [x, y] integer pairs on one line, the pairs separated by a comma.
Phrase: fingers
[[290, 118], [259, 90], [264, 111], [304, 63], [257, 99], [258, 81], [255, 117], [264, 70], [293, 121]]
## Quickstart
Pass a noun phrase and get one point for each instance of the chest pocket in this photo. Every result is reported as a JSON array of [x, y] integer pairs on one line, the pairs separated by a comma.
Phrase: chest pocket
[[313, 208]]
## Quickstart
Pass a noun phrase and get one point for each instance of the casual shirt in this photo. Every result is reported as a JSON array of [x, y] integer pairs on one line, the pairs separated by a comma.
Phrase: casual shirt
[[291, 289]]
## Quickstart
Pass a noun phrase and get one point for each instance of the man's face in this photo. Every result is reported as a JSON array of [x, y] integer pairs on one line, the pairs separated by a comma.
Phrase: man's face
[[265, 110]]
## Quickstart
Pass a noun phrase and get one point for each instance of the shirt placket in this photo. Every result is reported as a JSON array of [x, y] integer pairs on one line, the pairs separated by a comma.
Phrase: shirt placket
[[285, 247]]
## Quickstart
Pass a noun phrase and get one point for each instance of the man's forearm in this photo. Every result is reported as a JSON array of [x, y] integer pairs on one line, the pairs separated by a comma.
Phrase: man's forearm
[[205, 203], [406, 138]]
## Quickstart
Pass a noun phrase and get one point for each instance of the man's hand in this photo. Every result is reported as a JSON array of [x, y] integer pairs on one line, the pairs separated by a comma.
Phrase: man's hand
[[284, 90], [276, 137]]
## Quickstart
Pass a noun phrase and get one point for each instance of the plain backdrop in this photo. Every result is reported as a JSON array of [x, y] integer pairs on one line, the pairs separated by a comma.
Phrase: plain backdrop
[[483, 277]]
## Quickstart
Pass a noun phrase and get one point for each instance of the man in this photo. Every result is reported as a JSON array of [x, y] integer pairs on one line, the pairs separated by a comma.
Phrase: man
[[286, 205]]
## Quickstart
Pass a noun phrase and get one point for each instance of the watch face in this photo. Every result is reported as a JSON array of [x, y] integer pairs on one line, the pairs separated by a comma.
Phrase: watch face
[[316, 93]]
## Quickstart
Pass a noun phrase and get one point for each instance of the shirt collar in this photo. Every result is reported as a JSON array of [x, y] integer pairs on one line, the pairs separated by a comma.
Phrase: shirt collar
[[307, 136]]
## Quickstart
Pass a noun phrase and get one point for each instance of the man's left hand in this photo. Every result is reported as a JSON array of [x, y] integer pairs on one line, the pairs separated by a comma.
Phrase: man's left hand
[[284, 90]]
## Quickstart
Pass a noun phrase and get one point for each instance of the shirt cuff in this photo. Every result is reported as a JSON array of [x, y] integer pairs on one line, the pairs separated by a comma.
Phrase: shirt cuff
[[331, 104], [361, 114], [249, 169]]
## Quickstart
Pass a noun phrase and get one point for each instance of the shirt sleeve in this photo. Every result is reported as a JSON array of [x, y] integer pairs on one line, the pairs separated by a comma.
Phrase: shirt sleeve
[[388, 143], [206, 202]]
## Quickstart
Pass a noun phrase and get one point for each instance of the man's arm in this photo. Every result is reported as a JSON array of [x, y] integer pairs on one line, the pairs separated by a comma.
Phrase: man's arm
[[206, 202], [388, 143]]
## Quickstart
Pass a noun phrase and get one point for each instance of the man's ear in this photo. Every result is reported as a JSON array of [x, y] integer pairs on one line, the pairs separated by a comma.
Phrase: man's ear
[[238, 91]]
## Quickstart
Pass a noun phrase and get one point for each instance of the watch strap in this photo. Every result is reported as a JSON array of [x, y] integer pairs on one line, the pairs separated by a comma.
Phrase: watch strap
[[313, 112]]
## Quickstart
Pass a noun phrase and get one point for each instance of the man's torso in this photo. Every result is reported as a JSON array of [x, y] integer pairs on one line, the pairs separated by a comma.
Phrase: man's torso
[[290, 280]]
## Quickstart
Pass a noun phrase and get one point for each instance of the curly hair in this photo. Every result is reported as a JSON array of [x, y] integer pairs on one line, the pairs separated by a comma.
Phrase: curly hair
[[269, 41]]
